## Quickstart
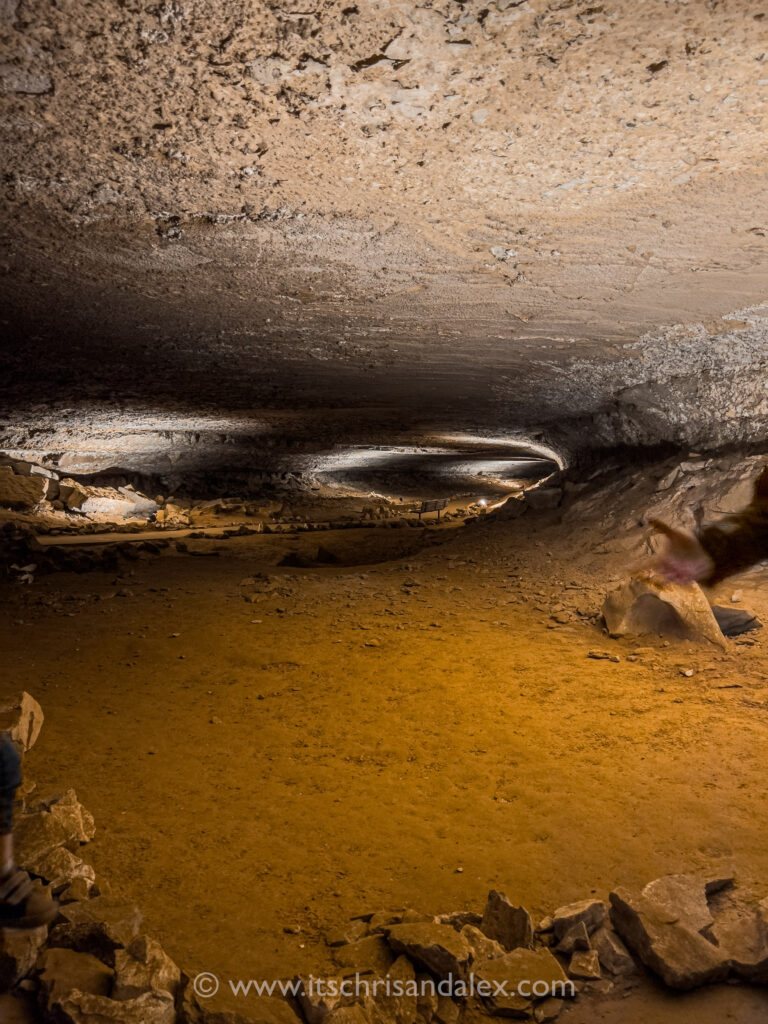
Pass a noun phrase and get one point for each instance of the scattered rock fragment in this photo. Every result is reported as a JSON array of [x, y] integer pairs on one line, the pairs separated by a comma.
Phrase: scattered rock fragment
[[603, 656], [350, 931], [576, 939], [590, 913], [584, 965], [735, 621], [458, 918]]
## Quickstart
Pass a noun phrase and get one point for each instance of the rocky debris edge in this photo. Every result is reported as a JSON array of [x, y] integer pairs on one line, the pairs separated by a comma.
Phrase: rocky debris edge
[[95, 964]]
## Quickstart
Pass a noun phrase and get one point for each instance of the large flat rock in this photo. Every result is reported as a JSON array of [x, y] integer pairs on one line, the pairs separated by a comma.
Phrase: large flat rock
[[664, 924]]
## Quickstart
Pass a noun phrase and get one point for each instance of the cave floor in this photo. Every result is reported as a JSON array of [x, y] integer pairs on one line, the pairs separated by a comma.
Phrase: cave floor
[[411, 733]]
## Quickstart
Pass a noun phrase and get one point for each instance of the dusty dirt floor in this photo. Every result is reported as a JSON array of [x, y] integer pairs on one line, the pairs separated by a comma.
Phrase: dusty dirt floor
[[411, 733]]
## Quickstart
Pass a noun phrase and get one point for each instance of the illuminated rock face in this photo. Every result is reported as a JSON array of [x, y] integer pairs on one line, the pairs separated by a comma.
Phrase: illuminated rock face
[[502, 217]]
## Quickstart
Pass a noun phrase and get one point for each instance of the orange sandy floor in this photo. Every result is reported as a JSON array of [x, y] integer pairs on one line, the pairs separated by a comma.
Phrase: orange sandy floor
[[407, 734]]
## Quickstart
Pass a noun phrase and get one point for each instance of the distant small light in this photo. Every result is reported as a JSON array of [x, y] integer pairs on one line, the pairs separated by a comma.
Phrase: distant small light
[[482, 502]]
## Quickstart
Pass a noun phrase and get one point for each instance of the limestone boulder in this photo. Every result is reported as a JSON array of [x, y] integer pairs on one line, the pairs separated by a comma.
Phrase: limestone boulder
[[645, 603], [108, 508], [22, 718], [143, 507], [505, 923], [21, 492], [549, 1009], [666, 925]]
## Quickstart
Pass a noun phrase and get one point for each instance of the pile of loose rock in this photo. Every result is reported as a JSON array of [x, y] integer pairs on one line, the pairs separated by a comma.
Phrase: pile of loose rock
[[25, 486], [95, 965]]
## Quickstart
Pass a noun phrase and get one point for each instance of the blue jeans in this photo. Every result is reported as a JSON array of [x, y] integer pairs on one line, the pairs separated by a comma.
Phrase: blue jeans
[[10, 780]]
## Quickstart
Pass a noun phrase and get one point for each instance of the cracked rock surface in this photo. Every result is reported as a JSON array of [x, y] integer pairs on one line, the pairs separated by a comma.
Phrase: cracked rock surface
[[515, 216]]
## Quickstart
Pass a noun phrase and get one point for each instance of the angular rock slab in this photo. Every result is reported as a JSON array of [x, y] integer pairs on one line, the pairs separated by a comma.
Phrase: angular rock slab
[[60, 868], [590, 913], [646, 603], [519, 971], [437, 948], [505, 923], [483, 948], [62, 821], [576, 939], [585, 965], [613, 954], [743, 931], [663, 925]]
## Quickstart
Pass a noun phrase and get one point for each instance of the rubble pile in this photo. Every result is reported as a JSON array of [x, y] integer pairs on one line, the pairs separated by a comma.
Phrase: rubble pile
[[25, 486], [95, 963]]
